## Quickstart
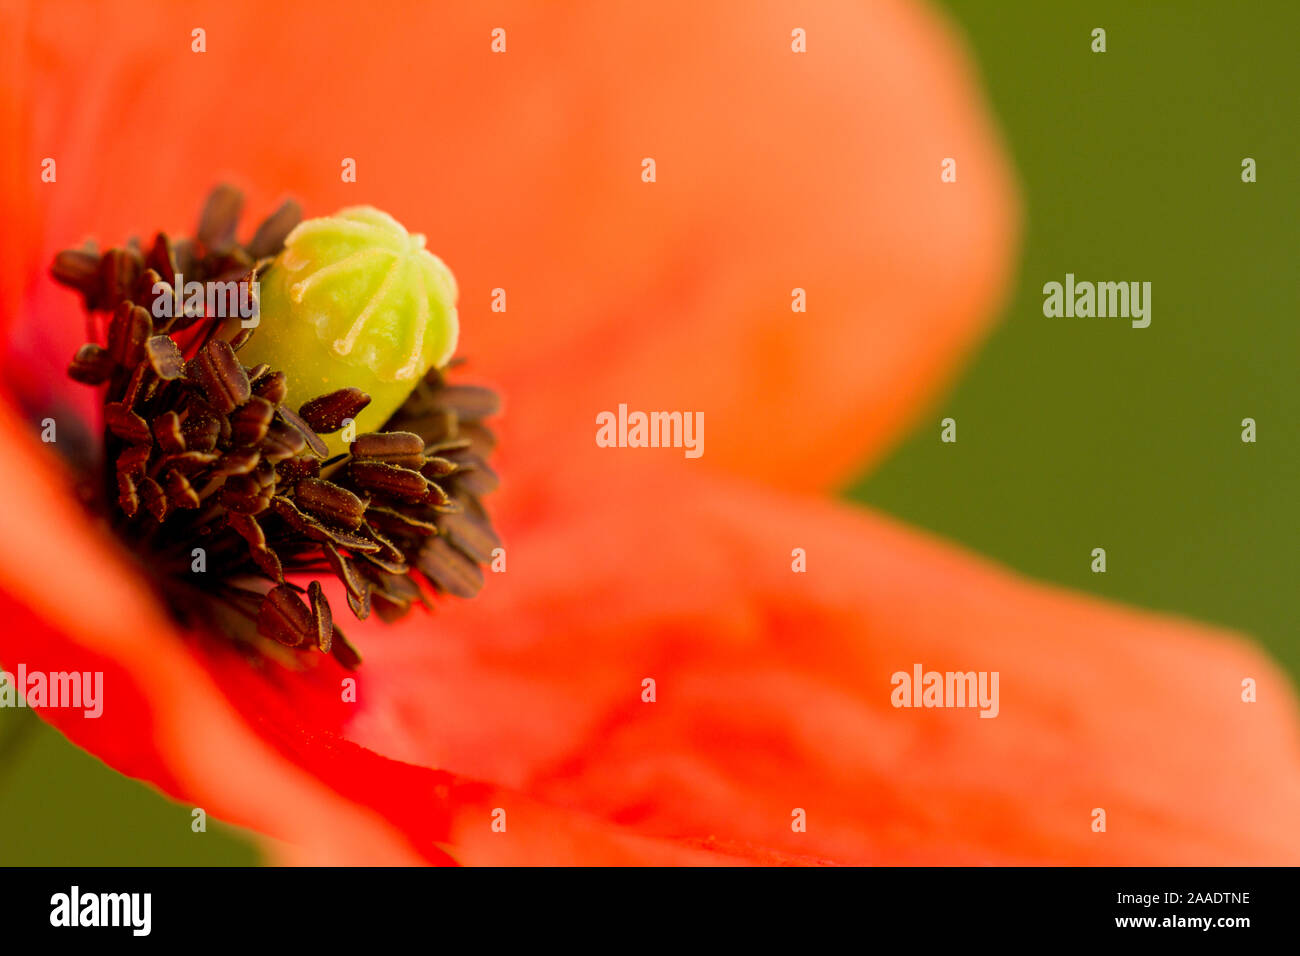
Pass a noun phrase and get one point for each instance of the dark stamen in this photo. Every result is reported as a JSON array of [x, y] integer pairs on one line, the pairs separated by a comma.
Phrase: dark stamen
[[201, 453], [327, 413]]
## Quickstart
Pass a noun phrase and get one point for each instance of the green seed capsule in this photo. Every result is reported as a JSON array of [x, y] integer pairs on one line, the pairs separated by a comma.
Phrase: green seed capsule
[[354, 300]]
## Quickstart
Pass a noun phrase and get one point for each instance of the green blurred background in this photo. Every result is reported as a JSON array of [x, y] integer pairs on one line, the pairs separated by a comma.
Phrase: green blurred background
[[1072, 433]]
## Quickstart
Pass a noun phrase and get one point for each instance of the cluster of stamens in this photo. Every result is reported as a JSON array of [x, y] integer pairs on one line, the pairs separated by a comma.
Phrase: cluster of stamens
[[228, 494]]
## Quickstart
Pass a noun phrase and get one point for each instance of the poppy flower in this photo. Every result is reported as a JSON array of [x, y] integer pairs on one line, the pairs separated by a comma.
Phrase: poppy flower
[[518, 727]]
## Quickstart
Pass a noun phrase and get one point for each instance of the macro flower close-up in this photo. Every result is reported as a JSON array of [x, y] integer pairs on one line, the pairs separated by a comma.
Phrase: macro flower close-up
[[513, 529]]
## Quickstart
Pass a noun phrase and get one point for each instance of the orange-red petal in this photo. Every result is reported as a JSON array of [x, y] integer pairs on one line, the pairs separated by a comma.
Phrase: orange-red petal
[[776, 170], [774, 693]]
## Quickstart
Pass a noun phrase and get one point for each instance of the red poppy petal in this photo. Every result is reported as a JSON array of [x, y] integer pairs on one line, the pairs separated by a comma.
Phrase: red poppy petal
[[775, 170], [774, 693]]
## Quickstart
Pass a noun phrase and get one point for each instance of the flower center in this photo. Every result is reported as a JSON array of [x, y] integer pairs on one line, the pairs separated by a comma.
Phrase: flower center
[[231, 498]]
